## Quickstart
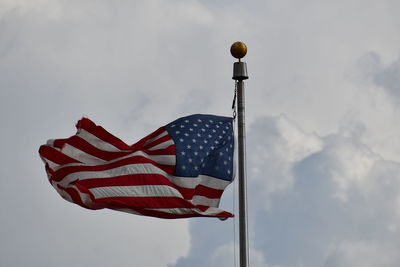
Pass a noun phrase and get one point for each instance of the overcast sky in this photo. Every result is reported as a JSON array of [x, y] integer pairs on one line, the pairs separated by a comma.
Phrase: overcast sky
[[322, 107]]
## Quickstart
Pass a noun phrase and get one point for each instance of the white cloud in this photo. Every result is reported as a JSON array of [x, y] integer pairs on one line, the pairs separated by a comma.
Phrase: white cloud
[[343, 196], [278, 143], [323, 178], [363, 254]]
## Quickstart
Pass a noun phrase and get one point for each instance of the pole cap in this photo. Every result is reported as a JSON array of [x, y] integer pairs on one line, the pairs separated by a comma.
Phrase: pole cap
[[238, 50]]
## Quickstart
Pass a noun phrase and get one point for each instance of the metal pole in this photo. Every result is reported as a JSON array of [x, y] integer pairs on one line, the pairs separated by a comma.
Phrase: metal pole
[[240, 74], [242, 177]]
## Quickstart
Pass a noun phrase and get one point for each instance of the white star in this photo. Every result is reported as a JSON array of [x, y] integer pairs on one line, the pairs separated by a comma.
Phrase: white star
[[214, 131], [188, 146], [183, 167], [190, 129], [182, 126], [183, 153], [225, 162], [198, 120], [221, 153], [181, 139], [194, 140], [190, 160], [201, 147], [177, 132], [196, 168], [173, 125], [228, 171], [217, 126], [196, 153], [186, 121], [203, 130], [195, 124], [219, 137], [209, 136], [207, 125], [199, 135], [205, 141], [186, 134], [211, 121]]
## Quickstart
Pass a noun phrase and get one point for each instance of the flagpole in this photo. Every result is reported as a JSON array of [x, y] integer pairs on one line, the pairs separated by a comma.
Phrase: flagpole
[[239, 50]]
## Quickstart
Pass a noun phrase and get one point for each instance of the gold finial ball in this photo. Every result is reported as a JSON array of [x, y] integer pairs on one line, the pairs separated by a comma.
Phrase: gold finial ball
[[238, 50]]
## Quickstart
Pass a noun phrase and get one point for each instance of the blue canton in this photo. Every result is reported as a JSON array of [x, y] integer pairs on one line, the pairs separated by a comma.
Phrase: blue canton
[[204, 146]]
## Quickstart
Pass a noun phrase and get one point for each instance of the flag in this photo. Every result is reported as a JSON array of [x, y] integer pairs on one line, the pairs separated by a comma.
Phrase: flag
[[178, 171]]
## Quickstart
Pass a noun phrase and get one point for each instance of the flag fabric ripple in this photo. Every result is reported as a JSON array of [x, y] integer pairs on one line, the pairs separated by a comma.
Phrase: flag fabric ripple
[[178, 171]]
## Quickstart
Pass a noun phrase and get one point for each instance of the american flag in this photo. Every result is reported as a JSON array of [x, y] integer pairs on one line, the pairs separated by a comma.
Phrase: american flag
[[178, 171]]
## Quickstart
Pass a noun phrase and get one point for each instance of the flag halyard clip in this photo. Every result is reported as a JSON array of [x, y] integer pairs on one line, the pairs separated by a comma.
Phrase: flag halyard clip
[[234, 103]]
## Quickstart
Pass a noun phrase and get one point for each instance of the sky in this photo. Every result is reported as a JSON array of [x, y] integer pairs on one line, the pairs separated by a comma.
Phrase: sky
[[322, 109]]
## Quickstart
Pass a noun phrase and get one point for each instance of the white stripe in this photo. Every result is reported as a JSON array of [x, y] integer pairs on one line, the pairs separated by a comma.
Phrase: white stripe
[[177, 211], [50, 142], [147, 168], [97, 142], [62, 193], [89, 159], [80, 155], [135, 191], [85, 198], [156, 138], [162, 145], [202, 200], [52, 165], [185, 211]]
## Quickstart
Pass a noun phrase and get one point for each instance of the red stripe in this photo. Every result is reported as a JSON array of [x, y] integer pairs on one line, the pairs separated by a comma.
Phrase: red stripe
[[165, 215], [142, 141], [202, 190], [74, 195], [86, 147], [104, 135], [165, 151], [158, 141], [48, 152], [150, 179], [61, 173], [49, 170], [101, 133], [145, 202]]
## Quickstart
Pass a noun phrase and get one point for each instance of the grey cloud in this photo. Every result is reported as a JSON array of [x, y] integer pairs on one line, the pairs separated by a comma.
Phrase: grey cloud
[[133, 65], [389, 78], [386, 76], [339, 201], [340, 209]]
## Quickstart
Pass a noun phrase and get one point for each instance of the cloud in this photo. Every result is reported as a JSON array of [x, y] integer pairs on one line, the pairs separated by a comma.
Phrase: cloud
[[323, 176], [340, 199], [314, 201], [389, 78]]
